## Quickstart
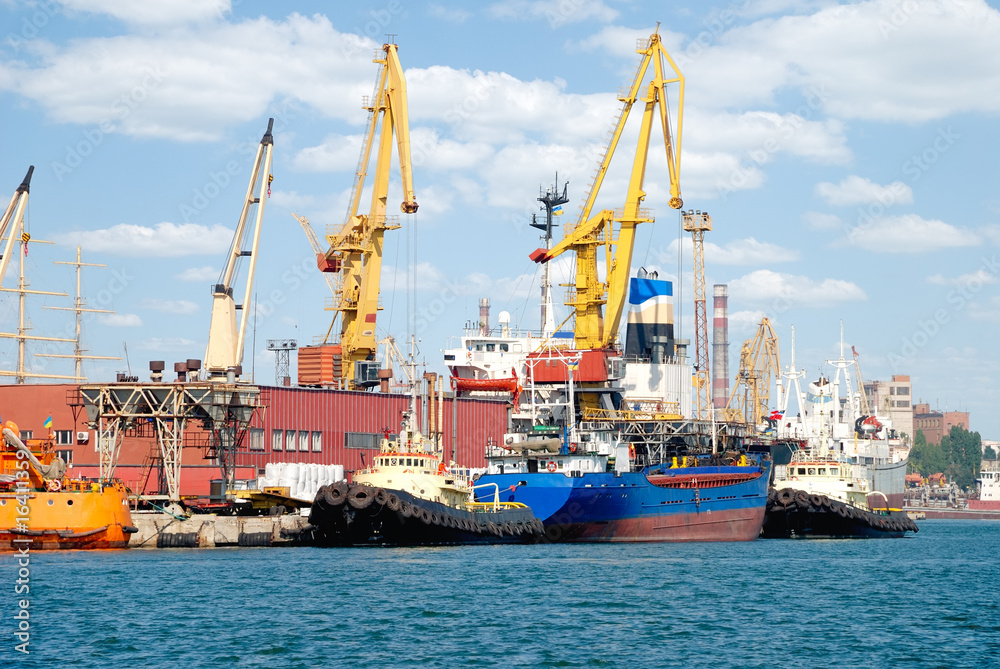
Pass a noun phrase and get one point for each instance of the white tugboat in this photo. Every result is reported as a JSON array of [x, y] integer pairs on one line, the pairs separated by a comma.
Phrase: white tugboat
[[847, 478]]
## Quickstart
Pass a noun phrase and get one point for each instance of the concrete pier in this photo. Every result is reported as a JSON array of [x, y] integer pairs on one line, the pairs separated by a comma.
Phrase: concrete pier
[[161, 530]]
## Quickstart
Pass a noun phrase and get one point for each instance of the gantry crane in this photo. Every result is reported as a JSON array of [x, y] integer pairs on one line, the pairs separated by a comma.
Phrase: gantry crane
[[226, 337], [759, 363], [698, 223], [588, 295], [355, 251]]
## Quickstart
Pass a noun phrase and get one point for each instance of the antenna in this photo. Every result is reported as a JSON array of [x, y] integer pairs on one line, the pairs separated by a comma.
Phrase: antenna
[[128, 365]]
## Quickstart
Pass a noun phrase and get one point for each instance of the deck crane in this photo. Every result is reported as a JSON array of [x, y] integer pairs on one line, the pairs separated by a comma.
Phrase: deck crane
[[750, 400], [12, 224], [356, 248], [226, 337], [588, 295]]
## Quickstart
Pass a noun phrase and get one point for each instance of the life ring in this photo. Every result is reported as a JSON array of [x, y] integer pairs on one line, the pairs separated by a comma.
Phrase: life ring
[[54, 485], [572, 448], [551, 466], [631, 451]]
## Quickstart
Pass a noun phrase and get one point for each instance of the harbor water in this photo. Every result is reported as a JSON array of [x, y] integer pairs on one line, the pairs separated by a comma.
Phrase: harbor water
[[929, 600]]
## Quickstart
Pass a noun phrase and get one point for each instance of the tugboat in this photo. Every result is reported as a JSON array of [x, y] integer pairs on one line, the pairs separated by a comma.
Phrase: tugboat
[[824, 497], [408, 496], [41, 508]]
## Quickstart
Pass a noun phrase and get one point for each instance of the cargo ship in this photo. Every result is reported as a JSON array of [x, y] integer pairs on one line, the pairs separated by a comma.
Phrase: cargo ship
[[626, 466], [41, 508]]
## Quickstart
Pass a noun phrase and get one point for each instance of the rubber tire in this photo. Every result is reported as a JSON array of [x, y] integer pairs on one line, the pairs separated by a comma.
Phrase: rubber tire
[[381, 496], [842, 510], [426, 516], [406, 509], [393, 502], [360, 497], [816, 501], [334, 495]]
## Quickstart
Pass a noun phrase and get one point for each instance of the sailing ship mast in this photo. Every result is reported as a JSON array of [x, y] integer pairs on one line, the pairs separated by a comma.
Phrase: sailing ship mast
[[79, 306]]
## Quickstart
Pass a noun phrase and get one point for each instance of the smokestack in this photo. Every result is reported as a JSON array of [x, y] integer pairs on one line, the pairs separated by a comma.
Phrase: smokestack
[[720, 347], [484, 316]]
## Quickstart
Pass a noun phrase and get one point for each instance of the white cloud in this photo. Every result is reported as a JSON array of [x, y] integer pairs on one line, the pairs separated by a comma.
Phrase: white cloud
[[189, 85], [449, 14], [908, 233], [337, 153], [747, 251], [203, 273], [153, 13], [166, 344], [162, 240], [554, 12], [858, 190], [820, 221], [973, 280], [783, 291], [169, 306], [120, 320]]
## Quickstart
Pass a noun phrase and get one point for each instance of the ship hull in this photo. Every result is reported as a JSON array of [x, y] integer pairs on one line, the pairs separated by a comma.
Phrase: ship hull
[[799, 515], [890, 479], [628, 507], [68, 519], [397, 518]]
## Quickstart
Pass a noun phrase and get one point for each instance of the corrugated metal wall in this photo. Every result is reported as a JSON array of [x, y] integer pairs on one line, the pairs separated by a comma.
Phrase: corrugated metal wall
[[336, 412]]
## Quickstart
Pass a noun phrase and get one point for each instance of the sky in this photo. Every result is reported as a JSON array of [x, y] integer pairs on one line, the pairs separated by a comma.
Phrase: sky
[[845, 151]]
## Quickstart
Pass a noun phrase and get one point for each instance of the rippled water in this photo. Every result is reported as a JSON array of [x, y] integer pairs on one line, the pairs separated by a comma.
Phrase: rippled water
[[931, 600]]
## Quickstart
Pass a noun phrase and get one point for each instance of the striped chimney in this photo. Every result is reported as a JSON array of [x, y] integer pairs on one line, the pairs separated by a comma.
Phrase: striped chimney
[[720, 347]]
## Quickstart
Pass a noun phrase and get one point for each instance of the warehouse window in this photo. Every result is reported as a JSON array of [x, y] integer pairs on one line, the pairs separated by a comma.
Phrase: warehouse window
[[303, 441], [275, 440], [317, 438], [289, 440], [363, 440], [257, 439], [64, 437], [66, 455], [26, 434]]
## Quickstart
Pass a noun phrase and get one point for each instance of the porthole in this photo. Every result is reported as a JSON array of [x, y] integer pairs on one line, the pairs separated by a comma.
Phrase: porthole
[[69, 502], [51, 501]]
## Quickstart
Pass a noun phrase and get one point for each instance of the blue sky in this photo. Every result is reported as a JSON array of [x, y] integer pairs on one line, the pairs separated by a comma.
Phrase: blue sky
[[846, 153]]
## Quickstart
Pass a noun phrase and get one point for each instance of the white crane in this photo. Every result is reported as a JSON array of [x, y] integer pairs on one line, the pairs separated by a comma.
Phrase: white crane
[[226, 339]]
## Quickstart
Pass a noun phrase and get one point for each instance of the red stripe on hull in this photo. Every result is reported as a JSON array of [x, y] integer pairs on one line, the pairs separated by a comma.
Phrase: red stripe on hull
[[729, 525]]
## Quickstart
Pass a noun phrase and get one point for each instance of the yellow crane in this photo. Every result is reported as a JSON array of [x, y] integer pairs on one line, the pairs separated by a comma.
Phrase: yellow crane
[[226, 337], [588, 295], [750, 400], [355, 252]]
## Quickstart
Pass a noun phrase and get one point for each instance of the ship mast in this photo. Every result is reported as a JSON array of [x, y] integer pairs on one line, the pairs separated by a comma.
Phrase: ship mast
[[20, 375], [79, 306], [552, 202]]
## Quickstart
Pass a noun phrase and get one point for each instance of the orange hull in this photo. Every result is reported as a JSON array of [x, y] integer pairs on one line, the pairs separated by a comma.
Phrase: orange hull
[[80, 516]]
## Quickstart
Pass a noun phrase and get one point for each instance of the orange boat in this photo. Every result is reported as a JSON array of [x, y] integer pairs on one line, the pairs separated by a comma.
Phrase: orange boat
[[41, 508]]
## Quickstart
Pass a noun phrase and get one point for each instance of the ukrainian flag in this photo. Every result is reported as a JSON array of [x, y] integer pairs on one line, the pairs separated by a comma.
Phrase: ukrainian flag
[[557, 211], [48, 423]]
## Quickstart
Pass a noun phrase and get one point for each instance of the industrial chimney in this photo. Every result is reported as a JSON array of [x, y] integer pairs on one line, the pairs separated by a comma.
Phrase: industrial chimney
[[720, 347], [484, 316]]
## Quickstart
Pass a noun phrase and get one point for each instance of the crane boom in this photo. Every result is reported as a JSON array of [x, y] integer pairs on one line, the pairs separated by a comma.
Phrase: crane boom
[[588, 295], [356, 248], [226, 338], [12, 223]]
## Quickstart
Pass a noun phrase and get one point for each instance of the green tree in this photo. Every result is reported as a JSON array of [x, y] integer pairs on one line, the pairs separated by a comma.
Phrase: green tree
[[990, 454]]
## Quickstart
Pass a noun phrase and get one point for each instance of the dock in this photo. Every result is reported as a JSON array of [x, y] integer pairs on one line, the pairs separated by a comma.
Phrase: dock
[[162, 530]]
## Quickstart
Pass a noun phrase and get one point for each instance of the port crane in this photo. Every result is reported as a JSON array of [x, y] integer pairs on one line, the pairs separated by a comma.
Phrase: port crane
[[613, 231], [12, 224], [355, 252], [759, 362], [227, 336]]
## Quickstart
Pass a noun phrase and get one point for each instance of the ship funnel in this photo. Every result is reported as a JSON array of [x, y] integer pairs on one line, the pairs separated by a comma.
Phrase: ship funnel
[[650, 331]]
